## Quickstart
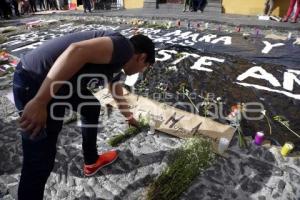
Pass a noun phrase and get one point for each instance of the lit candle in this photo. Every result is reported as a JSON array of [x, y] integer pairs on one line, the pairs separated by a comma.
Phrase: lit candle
[[206, 25], [287, 148], [290, 35], [259, 138], [223, 145]]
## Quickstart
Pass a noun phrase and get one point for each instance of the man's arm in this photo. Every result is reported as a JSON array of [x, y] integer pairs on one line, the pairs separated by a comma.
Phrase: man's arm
[[116, 91], [97, 51]]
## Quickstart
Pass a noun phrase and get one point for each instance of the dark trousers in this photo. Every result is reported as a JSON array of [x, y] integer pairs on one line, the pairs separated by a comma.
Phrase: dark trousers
[[16, 9], [53, 4], [42, 5], [87, 5], [39, 153], [202, 4], [195, 4], [5, 9], [33, 5]]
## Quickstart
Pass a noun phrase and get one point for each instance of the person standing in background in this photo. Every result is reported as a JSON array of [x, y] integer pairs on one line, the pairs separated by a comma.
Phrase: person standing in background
[[187, 3], [42, 5], [196, 5], [5, 9], [289, 12], [16, 7], [87, 5], [53, 4], [269, 6], [32, 6], [201, 5], [120, 4]]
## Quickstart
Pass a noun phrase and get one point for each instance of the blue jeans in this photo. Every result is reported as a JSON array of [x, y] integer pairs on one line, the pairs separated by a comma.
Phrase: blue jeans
[[39, 153]]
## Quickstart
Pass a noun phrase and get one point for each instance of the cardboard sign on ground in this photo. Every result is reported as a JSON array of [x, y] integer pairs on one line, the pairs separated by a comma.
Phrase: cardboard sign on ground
[[171, 120]]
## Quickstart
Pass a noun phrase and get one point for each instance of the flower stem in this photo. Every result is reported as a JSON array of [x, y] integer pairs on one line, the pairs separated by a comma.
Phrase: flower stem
[[192, 102], [270, 128], [290, 130]]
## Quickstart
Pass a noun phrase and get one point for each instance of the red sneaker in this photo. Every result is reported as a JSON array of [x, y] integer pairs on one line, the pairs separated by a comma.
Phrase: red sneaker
[[103, 160]]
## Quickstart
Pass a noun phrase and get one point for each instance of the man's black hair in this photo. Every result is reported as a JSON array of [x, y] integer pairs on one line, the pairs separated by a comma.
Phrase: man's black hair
[[143, 44]]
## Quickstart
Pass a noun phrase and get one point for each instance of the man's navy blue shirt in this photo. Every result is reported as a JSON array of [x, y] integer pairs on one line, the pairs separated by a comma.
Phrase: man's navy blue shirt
[[40, 60]]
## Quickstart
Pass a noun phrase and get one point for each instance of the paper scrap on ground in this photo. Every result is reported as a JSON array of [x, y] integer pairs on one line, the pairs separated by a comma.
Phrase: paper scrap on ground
[[276, 37]]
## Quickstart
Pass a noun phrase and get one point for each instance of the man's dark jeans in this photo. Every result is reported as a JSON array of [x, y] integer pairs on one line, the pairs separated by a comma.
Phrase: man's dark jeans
[[39, 153]]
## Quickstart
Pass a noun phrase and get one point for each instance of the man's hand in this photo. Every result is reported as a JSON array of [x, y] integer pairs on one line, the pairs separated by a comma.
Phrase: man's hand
[[117, 93], [34, 117], [133, 122]]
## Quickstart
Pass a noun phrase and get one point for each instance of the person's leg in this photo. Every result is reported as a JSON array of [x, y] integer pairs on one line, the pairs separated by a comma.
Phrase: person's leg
[[89, 5], [186, 2], [16, 8], [89, 110], [200, 2], [195, 5], [191, 5], [267, 6], [84, 5], [271, 7], [297, 12], [32, 5], [42, 5], [48, 4], [89, 129], [40, 2], [290, 10], [6, 10], [203, 5], [38, 161], [54, 4], [38, 153]]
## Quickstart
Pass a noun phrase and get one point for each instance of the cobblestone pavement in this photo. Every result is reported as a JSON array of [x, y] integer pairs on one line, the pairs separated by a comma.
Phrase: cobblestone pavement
[[256, 173]]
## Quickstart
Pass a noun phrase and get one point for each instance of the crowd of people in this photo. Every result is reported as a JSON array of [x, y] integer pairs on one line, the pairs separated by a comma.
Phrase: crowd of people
[[9, 8], [269, 7], [194, 5]]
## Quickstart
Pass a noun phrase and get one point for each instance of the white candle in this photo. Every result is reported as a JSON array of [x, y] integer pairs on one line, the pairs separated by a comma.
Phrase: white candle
[[223, 145]]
